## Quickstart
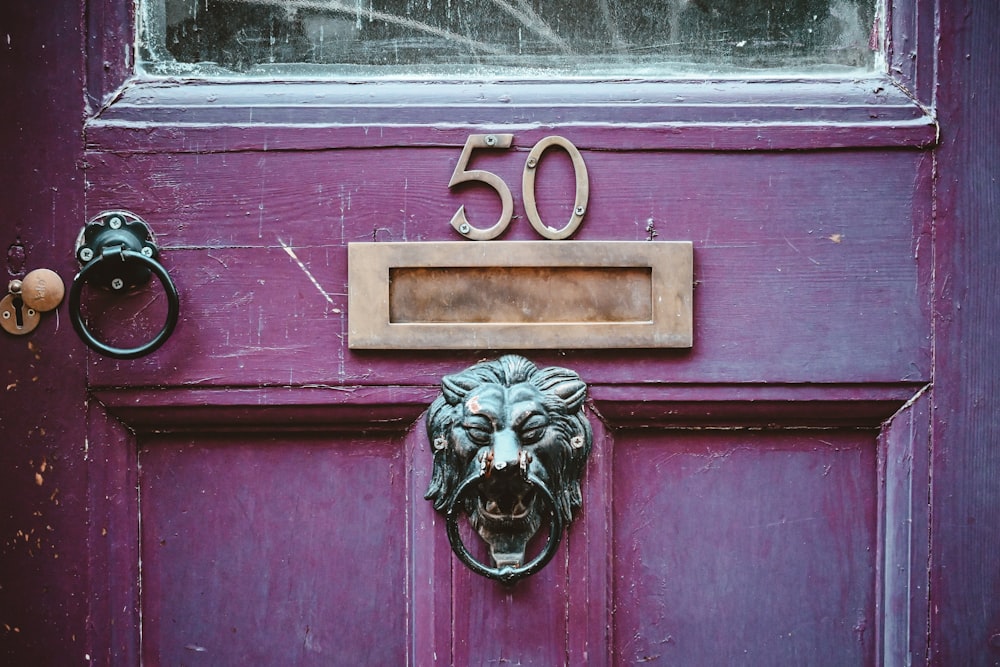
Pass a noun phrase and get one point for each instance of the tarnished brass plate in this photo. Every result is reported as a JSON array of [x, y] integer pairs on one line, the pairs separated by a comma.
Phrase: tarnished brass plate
[[520, 295]]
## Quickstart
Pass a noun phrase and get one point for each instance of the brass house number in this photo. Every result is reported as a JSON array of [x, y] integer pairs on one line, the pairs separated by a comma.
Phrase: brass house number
[[517, 295], [463, 175]]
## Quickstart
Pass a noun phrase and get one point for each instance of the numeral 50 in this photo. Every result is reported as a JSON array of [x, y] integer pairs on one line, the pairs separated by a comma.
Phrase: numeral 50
[[463, 175]]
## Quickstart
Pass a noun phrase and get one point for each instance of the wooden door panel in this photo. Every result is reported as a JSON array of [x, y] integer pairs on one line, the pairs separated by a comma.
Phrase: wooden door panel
[[524, 625], [273, 550], [745, 547], [794, 283], [712, 541]]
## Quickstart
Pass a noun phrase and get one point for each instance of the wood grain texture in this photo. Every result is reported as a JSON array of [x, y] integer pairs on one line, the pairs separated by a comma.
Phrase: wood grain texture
[[168, 116], [269, 550], [904, 527], [112, 547], [44, 524], [810, 267], [710, 535], [965, 580]]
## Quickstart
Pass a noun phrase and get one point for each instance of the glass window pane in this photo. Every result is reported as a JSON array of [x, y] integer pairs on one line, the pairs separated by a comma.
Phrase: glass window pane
[[448, 38]]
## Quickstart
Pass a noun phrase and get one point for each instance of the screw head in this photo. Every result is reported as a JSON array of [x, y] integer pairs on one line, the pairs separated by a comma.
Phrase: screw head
[[464, 228], [86, 254], [146, 251], [491, 140], [580, 210], [117, 283], [115, 223], [14, 286], [532, 162]]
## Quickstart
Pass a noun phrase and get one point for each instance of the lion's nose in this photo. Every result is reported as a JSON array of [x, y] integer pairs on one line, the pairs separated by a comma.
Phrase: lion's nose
[[506, 450]]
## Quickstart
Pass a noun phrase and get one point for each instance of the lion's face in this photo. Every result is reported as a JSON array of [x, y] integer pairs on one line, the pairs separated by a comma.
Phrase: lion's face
[[501, 421]]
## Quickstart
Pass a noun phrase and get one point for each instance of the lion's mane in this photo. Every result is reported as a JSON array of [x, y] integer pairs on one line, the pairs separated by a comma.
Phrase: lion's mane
[[563, 395]]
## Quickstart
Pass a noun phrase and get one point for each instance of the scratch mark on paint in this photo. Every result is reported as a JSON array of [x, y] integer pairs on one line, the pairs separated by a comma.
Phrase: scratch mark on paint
[[792, 246], [783, 522], [295, 258]]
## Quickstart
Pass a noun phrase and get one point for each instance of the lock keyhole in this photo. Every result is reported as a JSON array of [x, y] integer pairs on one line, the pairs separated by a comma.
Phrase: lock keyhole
[[18, 304], [16, 317]]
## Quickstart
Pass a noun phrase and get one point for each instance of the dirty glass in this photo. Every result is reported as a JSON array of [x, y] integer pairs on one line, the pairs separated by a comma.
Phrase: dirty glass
[[457, 38]]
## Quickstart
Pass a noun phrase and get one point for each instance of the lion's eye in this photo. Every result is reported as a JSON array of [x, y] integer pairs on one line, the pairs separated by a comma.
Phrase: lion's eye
[[479, 432], [533, 429]]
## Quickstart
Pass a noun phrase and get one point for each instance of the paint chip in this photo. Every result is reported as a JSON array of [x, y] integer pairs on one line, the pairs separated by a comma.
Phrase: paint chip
[[836, 238]]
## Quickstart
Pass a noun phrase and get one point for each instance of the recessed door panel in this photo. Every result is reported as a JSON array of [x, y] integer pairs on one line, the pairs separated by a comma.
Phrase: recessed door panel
[[272, 550], [745, 547]]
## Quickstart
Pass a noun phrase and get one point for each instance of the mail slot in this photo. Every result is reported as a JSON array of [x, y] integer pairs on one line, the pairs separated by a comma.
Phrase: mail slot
[[520, 295]]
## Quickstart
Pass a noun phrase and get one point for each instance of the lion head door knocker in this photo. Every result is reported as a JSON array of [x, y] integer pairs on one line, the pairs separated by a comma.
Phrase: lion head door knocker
[[510, 442]]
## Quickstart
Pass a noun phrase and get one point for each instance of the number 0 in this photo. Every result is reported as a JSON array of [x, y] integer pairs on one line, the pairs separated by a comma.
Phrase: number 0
[[582, 188]]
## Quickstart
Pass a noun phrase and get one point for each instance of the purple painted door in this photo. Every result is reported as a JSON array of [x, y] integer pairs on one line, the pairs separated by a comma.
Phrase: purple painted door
[[252, 492], [735, 503]]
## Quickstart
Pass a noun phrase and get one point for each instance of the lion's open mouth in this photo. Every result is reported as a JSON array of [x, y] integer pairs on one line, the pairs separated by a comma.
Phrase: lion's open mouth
[[507, 509], [506, 502], [506, 516]]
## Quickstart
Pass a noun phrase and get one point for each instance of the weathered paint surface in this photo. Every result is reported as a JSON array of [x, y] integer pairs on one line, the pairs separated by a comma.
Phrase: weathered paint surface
[[689, 550], [965, 579], [760, 498], [807, 250], [44, 555], [273, 550]]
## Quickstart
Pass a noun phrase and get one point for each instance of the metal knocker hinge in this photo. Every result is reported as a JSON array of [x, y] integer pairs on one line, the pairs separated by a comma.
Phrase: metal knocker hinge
[[117, 252]]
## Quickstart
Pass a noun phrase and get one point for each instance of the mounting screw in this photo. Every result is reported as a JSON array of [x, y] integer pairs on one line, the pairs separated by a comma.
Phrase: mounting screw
[[146, 251], [532, 162], [115, 223], [580, 210], [86, 254], [491, 140], [117, 283], [464, 228]]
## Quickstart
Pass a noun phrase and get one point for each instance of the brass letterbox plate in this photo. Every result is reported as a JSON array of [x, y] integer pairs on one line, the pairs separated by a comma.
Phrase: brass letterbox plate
[[520, 295]]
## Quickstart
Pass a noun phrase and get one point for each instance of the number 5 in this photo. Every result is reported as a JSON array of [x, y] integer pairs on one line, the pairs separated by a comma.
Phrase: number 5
[[461, 175]]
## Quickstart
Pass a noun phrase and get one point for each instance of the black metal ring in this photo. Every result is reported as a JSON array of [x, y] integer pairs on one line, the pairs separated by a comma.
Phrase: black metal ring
[[173, 306], [507, 574]]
